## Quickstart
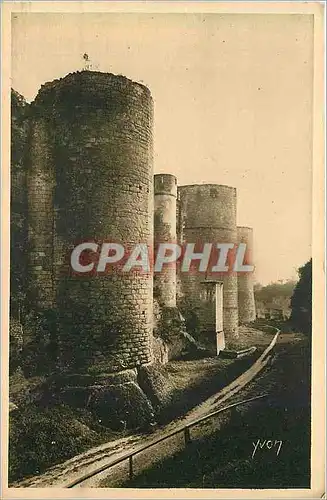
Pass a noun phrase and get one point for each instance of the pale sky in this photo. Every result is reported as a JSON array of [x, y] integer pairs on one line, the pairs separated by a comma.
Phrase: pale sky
[[233, 105]]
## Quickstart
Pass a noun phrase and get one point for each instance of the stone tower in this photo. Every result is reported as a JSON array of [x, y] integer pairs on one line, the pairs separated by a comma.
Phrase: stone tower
[[90, 178], [165, 194], [207, 214], [246, 302]]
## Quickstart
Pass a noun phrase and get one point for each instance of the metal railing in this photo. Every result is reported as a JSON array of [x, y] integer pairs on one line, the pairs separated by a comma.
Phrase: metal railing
[[187, 440]]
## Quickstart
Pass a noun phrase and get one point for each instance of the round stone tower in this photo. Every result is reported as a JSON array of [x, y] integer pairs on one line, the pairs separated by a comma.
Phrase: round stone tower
[[91, 179], [207, 214], [165, 195], [246, 302]]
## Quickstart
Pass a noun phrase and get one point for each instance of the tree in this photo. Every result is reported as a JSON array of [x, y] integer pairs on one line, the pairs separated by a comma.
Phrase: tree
[[275, 295], [301, 301]]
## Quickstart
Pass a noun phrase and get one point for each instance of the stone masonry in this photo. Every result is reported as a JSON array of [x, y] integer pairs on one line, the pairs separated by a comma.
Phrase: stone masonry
[[207, 214], [165, 194], [90, 179], [245, 281]]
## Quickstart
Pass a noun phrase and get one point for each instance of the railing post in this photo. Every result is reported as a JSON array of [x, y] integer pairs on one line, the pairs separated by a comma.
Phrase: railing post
[[131, 467], [187, 436]]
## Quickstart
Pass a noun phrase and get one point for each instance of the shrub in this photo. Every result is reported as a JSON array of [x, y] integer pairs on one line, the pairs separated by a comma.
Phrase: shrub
[[301, 302]]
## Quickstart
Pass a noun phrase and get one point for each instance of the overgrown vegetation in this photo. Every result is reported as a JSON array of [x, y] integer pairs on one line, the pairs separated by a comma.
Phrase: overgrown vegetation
[[191, 317], [170, 324], [40, 437], [40, 351], [301, 302]]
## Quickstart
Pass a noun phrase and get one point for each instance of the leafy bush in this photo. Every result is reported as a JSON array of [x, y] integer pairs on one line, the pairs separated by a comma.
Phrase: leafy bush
[[192, 321], [170, 324], [40, 351]]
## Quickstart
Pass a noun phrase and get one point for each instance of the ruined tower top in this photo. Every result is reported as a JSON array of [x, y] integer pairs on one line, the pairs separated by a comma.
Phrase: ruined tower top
[[94, 87], [205, 187], [165, 184]]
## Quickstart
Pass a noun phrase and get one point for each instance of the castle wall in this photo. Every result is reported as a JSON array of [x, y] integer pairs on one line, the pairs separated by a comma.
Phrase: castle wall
[[40, 199], [18, 203], [245, 280]]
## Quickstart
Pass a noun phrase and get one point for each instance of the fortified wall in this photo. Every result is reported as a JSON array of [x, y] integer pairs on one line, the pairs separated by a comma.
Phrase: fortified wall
[[89, 177]]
